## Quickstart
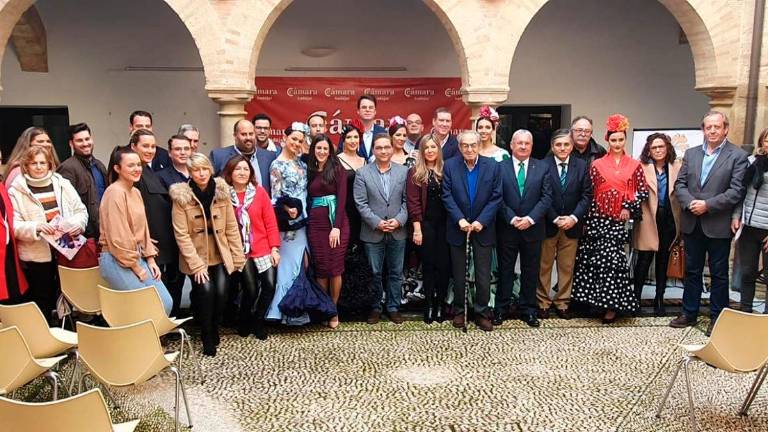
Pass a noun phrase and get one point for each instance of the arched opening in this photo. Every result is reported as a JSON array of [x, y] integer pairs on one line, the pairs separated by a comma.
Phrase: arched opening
[[595, 58], [105, 61]]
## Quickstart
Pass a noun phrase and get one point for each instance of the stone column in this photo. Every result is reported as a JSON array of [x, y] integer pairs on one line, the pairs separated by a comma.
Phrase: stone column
[[232, 103], [476, 97], [722, 98]]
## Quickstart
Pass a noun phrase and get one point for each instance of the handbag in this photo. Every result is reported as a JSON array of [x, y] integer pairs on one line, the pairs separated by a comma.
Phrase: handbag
[[676, 264], [86, 257]]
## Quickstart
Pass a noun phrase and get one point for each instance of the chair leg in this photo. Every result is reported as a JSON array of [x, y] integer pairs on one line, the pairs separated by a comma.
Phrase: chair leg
[[759, 379], [669, 387], [109, 394], [176, 398], [691, 411], [81, 381], [74, 373], [194, 357], [54, 378], [183, 389]]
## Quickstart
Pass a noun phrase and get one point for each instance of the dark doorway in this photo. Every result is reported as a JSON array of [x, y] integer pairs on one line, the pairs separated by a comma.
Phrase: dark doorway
[[15, 119], [541, 120]]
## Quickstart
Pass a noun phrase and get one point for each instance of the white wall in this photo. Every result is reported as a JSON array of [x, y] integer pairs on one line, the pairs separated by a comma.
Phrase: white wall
[[90, 42], [603, 58], [600, 56]]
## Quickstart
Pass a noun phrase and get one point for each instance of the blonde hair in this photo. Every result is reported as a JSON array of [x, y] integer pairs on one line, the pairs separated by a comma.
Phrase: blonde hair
[[32, 152], [23, 144], [420, 170], [199, 161]]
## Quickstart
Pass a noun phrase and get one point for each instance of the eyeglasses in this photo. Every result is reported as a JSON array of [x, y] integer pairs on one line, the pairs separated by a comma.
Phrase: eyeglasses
[[582, 131]]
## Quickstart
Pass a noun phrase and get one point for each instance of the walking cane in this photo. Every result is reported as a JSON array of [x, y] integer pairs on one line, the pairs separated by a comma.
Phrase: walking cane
[[468, 251]]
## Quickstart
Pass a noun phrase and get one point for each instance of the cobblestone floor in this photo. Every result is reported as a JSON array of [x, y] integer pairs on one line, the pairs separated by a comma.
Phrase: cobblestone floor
[[565, 376]]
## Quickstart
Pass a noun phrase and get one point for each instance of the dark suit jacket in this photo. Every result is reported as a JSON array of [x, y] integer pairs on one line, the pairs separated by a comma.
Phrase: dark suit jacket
[[220, 157], [161, 160], [535, 201], [722, 191], [78, 171], [574, 199], [361, 148], [485, 206], [157, 205], [451, 148]]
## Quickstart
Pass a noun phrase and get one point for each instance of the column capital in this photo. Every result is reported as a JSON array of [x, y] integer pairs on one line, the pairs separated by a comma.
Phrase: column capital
[[482, 95], [225, 95], [719, 96], [231, 109]]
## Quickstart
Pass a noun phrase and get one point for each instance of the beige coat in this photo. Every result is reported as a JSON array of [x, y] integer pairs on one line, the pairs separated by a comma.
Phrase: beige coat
[[646, 234], [190, 228], [28, 213]]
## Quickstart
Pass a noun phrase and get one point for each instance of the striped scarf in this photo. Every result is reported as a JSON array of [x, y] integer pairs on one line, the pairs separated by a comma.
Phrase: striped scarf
[[241, 213]]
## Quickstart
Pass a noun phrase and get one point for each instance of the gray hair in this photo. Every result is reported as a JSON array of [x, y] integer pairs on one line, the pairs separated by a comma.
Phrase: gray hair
[[715, 113], [186, 127], [520, 132], [466, 134], [581, 117]]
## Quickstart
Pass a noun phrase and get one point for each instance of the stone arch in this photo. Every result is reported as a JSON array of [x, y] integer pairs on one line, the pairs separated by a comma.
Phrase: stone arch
[[30, 42]]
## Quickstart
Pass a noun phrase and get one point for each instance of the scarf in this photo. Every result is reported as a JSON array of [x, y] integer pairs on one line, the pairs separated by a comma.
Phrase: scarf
[[756, 171], [205, 196], [619, 178], [241, 213], [41, 182]]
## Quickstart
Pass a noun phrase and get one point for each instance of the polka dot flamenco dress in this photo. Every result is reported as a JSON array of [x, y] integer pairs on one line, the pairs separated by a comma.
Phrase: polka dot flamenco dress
[[602, 272]]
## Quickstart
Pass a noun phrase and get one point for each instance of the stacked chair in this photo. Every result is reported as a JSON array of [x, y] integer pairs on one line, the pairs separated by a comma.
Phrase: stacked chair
[[79, 288], [19, 367]]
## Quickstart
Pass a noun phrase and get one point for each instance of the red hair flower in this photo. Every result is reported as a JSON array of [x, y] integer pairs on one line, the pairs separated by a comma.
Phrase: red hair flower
[[617, 123]]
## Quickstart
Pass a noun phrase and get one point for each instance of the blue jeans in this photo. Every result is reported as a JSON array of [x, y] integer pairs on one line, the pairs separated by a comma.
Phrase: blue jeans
[[697, 247], [391, 252], [124, 279]]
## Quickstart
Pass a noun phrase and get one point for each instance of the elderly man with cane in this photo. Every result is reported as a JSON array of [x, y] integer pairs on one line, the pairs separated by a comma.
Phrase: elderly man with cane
[[471, 194]]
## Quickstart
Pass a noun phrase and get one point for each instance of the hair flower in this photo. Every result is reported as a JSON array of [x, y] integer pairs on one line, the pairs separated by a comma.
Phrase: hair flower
[[617, 123], [396, 120], [486, 111]]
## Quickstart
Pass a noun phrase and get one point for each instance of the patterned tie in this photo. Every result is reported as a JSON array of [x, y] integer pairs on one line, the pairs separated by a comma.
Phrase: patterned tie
[[563, 174], [521, 178]]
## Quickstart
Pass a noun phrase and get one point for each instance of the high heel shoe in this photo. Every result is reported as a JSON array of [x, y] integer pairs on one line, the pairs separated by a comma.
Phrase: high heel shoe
[[428, 315], [609, 317], [333, 322]]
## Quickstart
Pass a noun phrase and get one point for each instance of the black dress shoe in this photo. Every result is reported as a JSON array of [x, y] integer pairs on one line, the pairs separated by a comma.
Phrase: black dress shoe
[[530, 319], [564, 314], [498, 318], [682, 321]]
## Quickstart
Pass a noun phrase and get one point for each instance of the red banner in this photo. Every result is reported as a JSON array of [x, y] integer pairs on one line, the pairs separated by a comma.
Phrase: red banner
[[289, 99]]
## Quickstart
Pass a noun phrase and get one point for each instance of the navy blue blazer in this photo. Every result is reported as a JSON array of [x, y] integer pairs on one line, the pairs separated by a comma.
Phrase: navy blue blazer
[[161, 160], [361, 148], [535, 201], [574, 199], [220, 157], [451, 148], [485, 206]]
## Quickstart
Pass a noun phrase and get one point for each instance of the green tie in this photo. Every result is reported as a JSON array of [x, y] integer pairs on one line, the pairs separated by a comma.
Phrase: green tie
[[521, 178]]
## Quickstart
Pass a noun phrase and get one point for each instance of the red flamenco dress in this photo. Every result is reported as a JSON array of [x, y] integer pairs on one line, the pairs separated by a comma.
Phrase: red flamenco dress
[[13, 285]]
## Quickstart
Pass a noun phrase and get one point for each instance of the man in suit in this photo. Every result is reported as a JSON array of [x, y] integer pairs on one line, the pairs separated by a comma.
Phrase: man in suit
[[471, 195], [526, 198], [143, 120], [709, 186], [441, 133], [380, 197], [366, 110], [245, 144], [571, 196]]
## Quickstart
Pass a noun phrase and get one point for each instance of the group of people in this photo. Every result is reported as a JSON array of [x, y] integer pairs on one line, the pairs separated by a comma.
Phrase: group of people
[[246, 222]]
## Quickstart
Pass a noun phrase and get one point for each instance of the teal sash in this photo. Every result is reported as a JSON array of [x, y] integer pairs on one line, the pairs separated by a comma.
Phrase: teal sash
[[327, 201]]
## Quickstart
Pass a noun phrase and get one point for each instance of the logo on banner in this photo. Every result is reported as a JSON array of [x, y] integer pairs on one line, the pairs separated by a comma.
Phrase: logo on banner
[[380, 94], [265, 94], [418, 94], [301, 93], [453, 92], [339, 93]]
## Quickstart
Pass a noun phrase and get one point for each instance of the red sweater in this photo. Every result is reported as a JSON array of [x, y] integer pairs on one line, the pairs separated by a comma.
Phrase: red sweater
[[264, 231]]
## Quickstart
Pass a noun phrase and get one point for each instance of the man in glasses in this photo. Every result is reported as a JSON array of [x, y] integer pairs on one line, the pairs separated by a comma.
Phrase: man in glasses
[[584, 146]]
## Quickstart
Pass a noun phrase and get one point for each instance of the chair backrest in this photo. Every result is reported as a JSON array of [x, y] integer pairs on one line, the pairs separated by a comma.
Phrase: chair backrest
[[79, 287], [32, 325], [119, 356], [741, 339], [14, 360], [120, 308], [84, 412]]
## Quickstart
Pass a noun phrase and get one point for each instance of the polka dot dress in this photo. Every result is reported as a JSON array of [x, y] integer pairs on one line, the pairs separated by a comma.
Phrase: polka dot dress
[[602, 273]]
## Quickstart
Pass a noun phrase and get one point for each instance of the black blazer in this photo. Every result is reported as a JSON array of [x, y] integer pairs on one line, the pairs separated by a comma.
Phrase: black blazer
[[535, 201], [574, 199], [456, 199], [451, 148], [158, 205], [161, 160]]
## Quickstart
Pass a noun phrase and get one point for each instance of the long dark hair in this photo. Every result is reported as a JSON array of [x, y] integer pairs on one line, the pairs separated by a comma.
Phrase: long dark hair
[[329, 169], [645, 156], [114, 160]]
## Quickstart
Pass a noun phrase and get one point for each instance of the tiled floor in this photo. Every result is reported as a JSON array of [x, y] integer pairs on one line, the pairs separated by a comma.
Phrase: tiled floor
[[565, 376]]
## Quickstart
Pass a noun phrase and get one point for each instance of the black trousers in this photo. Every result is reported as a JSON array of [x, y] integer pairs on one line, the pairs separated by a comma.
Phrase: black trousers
[[435, 263], [750, 246], [174, 282], [44, 288], [482, 255], [511, 244], [665, 228], [208, 300], [259, 289]]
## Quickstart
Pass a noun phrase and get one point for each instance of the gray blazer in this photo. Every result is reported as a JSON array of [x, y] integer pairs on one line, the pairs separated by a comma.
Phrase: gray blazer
[[373, 207], [722, 191]]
